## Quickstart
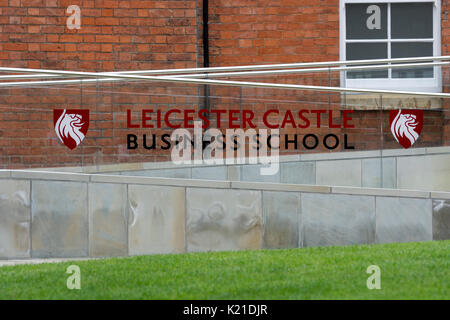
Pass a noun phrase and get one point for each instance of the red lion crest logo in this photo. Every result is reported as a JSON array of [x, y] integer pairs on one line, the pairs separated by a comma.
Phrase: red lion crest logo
[[71, 126], [406, 126]]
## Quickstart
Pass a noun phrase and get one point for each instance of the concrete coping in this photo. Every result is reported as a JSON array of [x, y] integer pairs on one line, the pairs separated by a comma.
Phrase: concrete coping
[[263, 186], [279, 187], [440, 195], [104, 168], [160, 181], [83, 177], [385, 192]]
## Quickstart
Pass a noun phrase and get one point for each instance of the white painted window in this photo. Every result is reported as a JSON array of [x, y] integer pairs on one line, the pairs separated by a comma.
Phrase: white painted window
[[387, 29]]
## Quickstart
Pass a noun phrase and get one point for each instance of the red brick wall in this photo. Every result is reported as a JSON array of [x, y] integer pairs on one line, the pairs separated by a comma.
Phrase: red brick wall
[[277, 31], [114, 35], [286, 31], [135, 35], [445, 18], [445, 22]]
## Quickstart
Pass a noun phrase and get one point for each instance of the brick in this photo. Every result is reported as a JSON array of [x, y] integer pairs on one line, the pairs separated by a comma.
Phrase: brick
[[52, 47], [34, 47], [34, 29], [245, 43], [106, 48], [15, 46], [52, 29], [71, 38], [107, 21], [14, 28], [106, 38], [70, 47], [33, 20], [51, 3], [125, 13], [33, 11], [89, 47]]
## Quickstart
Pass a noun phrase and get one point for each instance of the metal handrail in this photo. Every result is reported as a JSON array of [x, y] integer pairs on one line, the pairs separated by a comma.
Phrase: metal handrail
[[248, 73], [290, 65], [273, 66], [313, 70], [213, 82]]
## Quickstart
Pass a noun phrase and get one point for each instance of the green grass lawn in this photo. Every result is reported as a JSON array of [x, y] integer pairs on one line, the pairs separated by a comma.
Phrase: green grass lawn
[[408, 271]]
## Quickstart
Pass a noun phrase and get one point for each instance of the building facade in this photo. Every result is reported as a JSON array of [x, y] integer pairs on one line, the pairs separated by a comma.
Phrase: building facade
[[119, 35]]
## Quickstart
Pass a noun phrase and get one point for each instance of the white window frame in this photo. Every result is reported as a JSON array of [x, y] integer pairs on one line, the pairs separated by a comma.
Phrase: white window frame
[[410, 84]]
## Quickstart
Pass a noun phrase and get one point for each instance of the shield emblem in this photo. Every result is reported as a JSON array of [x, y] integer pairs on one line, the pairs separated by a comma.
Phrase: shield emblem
[[71, 126], [406, 125]]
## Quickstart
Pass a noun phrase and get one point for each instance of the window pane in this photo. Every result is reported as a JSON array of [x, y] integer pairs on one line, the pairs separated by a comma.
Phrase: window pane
[[412, 49], [363, 25], [366, 51], [411, 20]]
